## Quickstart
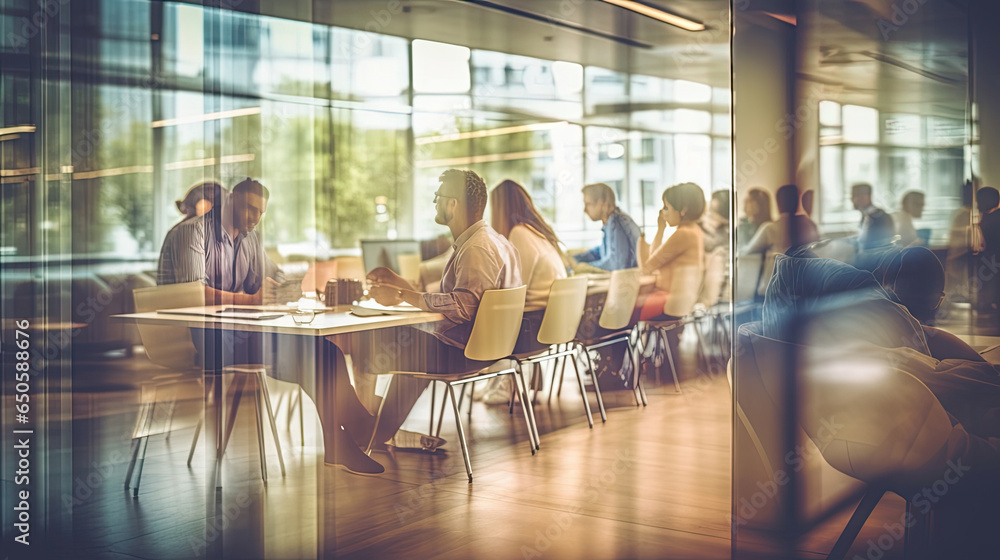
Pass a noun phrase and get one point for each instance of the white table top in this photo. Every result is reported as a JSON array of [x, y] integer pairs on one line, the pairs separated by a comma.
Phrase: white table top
[[324, 324]]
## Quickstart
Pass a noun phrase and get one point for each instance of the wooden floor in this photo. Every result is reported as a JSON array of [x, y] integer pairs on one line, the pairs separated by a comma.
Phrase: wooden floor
[[653, 482]]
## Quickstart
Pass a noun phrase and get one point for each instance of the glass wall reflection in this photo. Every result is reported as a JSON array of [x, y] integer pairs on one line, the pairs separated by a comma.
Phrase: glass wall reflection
[[118, 113]]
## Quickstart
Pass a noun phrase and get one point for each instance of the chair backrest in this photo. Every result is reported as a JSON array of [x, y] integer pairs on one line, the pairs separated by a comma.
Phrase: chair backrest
[[409, 268], [497, 324], [715, 277], [748, 276], [168, 346], [564, 310], [623, 291]]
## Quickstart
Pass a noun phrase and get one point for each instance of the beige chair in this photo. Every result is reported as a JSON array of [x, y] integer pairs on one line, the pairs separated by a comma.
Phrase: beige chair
[[890, 428], [494, 334], [561, 320], [616, 316], [173, 348]]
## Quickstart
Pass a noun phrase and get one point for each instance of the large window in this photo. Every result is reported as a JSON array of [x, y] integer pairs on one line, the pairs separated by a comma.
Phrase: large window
[[349, 130], [895, 153]]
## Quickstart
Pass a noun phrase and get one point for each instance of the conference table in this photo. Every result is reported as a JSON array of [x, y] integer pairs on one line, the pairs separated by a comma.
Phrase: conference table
[[335, 322], [338, 321]]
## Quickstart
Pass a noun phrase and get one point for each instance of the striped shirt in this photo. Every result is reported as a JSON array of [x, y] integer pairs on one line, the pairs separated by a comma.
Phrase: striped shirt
[[200, 250]]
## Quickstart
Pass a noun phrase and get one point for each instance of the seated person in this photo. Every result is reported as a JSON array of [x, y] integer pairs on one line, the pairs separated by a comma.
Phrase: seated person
[[756, 213], [792, 229], [200, 199], [677, 261], [876, 228], [617, 248], [221, 250], [835, 311], [514, 216], [483, 260], [912, 209], [913, 277]]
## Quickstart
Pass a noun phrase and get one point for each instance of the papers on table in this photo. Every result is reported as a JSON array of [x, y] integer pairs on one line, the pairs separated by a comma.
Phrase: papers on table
[[372, 308]]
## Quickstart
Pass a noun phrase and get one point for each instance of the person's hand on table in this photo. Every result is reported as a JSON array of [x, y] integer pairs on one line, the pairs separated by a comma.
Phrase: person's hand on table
[[383, 275], [385, 294]]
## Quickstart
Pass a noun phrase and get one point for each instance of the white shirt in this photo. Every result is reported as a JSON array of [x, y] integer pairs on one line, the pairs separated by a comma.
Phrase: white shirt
[[541, 264]]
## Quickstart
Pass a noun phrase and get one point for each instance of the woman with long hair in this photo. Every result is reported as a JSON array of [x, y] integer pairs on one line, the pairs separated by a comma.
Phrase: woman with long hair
[[514, 216]]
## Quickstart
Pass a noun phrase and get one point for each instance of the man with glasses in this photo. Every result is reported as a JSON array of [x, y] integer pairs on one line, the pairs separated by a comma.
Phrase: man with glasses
[[621, 234], [482, 260]]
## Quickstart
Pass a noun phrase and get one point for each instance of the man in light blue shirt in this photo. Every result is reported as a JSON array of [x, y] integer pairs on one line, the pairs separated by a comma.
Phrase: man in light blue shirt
[[621, 234]]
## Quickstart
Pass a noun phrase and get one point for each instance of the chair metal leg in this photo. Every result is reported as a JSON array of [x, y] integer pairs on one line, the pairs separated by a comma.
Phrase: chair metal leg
[[430, 430], [170, 418], [194, 441], [700, 350], [444, 405], [670, 361], [531, 403], [145, 445], [302, 419], [510, 404], [857, 521], [239, 382], [519, 383], [597, 387], [461, 432], [562, 372], [638, 377], [140, 421], [259, 418], [583, 392], [555, 374], [262, 380]]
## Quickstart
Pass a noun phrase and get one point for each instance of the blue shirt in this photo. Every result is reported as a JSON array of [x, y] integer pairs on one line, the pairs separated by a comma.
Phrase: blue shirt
[[617, 249]]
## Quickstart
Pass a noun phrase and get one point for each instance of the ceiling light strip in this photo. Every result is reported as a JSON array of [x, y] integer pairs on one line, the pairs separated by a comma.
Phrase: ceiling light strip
[[549, 20], [658, 14]]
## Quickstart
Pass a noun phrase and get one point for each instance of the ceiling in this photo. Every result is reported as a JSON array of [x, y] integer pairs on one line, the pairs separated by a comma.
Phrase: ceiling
[[544, 29], [872, 53], [920, 65]]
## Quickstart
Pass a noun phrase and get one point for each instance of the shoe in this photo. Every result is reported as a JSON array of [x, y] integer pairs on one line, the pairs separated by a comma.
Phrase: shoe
[[405, 440], [349, 457]]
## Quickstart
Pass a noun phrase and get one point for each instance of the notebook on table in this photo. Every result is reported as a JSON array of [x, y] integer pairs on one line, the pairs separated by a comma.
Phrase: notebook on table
[[250, 313], [372, 308]]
